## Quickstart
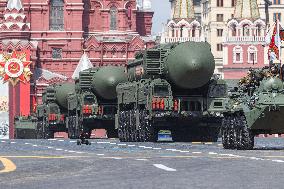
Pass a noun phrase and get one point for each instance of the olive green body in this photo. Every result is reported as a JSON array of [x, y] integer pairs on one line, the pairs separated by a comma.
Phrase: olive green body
[[25, 127], [256, 109], [61, 93], [263, 110], [51, 114], [94, 104], [171, 87], [106, 79]]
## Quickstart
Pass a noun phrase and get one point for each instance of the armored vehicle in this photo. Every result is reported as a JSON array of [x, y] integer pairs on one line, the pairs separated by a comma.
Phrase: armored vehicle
[[51, 114], [171, 87], [94, 104], [255, 106], [25, 127]]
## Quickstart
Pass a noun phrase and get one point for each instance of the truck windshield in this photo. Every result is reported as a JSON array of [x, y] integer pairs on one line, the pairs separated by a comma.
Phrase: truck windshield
[[161, 90], [89, 100], [54, 109]]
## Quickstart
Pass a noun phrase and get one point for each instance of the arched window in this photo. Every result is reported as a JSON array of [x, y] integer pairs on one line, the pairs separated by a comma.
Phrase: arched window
[[173, 31], [246, 30], [56, 16], [113, 18], [104, 52], [252, 55], [113, 52], [123, 52], [193, 31], [181, 31], [238, 54], [258, 30], [234, 30]]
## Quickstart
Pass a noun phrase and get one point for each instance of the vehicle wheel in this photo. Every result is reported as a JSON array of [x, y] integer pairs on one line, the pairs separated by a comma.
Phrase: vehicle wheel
[[39, 130], [232, 132], [225, 135], [246, 137], [121, 126], [147, 128]]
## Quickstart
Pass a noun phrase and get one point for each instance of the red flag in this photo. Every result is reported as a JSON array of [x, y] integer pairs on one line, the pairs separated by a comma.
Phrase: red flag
[[275, 43]]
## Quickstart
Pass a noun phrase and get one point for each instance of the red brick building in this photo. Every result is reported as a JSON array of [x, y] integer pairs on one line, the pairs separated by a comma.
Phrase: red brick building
[[56, 32]]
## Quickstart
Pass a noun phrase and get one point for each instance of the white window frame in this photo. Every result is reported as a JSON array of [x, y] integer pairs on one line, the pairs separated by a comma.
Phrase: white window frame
[[238, 49], [252, 49]]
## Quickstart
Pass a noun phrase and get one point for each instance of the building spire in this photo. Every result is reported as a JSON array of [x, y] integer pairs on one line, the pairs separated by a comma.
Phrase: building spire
[[84, 64], [14, 4], [247, 9], [182, 9]]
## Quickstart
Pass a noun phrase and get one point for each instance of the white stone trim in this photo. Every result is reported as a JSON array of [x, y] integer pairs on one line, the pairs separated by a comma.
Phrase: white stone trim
[[238, 49], [252, 49]]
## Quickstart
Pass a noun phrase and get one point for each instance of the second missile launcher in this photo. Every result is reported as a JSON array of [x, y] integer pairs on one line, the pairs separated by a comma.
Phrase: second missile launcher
[[51, 114], [94, 104], [171, 87]]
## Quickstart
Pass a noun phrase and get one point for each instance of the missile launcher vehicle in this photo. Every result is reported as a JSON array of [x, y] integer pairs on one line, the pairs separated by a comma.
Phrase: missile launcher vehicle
[[51, 114], [255, 106], [94, 104], [171, 87]]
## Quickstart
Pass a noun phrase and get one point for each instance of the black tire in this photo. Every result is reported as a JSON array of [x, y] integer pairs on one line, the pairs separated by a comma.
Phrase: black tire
[[149, 132], [246, 137], [112, 133], [232, 132], [122, 121], [236, 134], [39, 130], [225, 135], [74, 127]]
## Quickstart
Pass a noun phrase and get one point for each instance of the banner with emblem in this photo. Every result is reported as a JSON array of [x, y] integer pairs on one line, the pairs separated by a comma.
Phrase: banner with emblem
[[14, 67]]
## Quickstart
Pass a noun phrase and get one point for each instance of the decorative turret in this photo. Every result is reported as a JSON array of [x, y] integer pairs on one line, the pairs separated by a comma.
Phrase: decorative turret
[[84, 64], [144, 5], [14, 4], [182, 9], [15, 20], [242, 45], [183, 25], [247, 9], [144, 17]]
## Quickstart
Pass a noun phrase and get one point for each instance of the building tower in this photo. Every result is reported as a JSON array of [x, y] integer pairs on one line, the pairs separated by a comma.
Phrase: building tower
[[183, 25], [15, 36], [242, 47], [144, 17]]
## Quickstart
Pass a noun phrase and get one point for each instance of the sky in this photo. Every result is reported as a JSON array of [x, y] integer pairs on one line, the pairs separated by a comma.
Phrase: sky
[[162, 12]]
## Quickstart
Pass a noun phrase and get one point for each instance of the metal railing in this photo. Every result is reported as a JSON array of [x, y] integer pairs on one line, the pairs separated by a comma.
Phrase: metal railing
[[180, 39], [244, 39]]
